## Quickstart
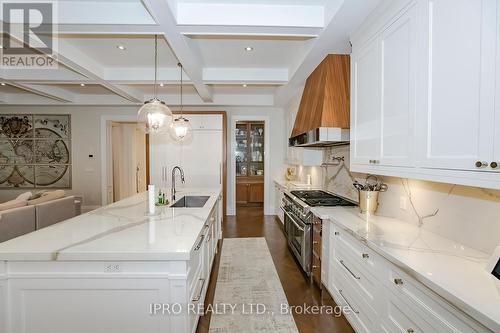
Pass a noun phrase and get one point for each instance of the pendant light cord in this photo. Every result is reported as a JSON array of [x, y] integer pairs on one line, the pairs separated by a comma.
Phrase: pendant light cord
[[182, 105], [156, 65]]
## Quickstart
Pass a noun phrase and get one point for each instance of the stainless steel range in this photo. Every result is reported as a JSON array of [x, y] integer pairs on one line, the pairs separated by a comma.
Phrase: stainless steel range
[[299, 219]]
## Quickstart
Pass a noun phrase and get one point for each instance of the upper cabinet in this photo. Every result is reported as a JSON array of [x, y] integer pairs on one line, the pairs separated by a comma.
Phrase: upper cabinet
[[423, 93], [456, 88]]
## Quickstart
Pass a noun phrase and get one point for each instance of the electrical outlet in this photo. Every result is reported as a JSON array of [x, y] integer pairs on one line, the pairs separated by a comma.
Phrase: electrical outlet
[[403, 202]]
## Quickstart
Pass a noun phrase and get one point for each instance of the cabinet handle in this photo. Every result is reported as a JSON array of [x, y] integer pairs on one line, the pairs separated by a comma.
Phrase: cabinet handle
[[481, 164], [198, 246], [410, 330], [315, 242], [365, 255], [336, 233], [197, 298], [398, 281], [354, 275], [349, 305], [493, 165], [315, 266]]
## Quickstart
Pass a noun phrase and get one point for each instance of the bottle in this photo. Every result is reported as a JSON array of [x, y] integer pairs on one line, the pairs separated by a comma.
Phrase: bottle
[[160, 198]]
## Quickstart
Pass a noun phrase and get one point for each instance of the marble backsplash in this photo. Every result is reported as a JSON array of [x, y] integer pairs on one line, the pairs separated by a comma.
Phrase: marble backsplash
[[467, 215]]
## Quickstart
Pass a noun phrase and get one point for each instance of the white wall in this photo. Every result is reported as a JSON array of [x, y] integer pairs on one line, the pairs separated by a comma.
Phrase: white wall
[[276, 151], [86, 127]]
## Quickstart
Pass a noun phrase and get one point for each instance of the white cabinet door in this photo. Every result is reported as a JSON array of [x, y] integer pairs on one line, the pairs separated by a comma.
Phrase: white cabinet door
[[496, 139], [365, 104], [398, 46], [456, 83]]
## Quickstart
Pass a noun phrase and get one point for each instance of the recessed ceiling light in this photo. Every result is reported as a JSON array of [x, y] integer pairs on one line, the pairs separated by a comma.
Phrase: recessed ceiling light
[[161, 84], [3, 83], [121, 47], [248, 48], [244, 85], [82, 84]]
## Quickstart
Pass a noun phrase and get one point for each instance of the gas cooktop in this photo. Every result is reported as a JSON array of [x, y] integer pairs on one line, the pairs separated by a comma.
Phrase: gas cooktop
[[321, 198]]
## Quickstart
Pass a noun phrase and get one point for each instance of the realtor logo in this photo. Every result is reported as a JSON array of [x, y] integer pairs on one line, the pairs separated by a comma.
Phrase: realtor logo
[[28, 31]]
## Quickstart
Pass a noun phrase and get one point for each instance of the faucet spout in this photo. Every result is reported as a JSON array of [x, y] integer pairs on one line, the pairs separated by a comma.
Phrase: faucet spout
[[173, 180]]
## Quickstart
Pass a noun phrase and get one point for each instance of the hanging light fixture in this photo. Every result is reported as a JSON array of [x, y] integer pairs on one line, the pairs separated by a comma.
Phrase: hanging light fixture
[[181, 129], [155, 114]]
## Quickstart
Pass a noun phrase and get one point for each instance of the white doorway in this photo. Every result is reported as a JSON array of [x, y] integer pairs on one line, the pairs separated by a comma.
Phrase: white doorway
[[128, 167]]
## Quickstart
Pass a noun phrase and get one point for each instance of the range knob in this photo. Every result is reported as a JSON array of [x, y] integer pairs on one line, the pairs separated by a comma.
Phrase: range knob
[[493, 165]]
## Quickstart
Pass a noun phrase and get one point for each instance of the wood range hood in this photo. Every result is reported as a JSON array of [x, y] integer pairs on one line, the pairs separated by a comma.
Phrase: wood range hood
[[323, 117]]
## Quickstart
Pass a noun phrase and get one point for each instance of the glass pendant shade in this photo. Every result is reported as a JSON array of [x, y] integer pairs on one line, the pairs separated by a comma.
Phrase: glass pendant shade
[[156, 116], [181, 129]]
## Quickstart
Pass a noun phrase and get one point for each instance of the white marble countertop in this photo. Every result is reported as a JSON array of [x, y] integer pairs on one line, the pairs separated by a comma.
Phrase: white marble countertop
[[293, 185], [453, 271], [120, 231]]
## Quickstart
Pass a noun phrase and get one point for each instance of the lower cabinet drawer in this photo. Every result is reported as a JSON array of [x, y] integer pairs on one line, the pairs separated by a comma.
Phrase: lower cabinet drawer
[[364, 282], [398, 317], [359, 313], [427, 305]]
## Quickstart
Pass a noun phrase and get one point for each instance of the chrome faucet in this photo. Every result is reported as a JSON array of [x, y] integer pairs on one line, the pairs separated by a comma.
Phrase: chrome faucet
[[173, 180]]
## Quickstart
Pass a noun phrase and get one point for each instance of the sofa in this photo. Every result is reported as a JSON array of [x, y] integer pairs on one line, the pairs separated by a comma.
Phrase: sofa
[[18, 221]]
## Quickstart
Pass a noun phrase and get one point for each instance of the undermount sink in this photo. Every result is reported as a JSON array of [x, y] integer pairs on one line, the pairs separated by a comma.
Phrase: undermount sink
[[191, 201]]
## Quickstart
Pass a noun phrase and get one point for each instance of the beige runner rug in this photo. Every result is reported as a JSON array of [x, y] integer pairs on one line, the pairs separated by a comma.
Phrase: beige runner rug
[[248, 295]]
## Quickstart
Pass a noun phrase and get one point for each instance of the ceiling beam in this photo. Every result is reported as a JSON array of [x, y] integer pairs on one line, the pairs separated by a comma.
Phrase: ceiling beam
[[246, 32], [80, 63], [107, 29], [245, 75], [54, 93], [181, 46]]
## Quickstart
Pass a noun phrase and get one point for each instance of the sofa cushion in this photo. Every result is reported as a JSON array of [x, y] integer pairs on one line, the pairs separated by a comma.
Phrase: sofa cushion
[[16, 222], [48, 196], [25, 196], [12, 204], [49, 213]]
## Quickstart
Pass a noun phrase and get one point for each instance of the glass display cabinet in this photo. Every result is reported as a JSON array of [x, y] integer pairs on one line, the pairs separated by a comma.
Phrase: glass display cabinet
[[249, 154]]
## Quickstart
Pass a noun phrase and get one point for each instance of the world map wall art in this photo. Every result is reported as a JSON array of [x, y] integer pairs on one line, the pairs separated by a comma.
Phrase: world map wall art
[[35, 151]]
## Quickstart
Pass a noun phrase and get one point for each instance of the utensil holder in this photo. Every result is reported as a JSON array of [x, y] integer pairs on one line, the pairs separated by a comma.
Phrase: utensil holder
[[368, 201]]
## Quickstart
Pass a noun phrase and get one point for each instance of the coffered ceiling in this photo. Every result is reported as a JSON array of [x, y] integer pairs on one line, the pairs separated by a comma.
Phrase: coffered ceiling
[[106, 51]]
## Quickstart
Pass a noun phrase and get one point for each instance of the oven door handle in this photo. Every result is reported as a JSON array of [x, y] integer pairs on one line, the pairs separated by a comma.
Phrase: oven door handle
[[293, 220]]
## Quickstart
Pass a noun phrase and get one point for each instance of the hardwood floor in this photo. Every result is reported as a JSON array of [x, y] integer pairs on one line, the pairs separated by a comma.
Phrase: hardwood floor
[[250, 222]]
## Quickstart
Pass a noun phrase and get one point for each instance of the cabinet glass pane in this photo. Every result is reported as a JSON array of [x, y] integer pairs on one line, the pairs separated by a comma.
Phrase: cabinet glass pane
[[241, 151], [257, 149]]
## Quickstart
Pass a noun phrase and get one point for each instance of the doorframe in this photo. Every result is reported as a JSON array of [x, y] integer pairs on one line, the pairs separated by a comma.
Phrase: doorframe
[[267, 184], [104, 150]]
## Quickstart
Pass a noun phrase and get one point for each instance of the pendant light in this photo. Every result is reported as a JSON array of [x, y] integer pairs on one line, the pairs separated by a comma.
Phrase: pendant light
[[155, 114], [181, 129]]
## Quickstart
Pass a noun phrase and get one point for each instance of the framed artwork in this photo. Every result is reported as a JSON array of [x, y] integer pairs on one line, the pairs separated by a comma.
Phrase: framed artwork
[[35, 151]]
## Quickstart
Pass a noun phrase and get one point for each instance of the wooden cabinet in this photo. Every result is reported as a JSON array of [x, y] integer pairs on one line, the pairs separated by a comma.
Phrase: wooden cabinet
[[428, 112], [250, 191], [250, 138]]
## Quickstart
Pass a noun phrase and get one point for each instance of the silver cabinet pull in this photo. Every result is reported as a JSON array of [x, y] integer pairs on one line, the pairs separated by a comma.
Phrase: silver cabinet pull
[[336, 233], [365, 255], [398, 281], [198, 297], [345, 300], [481, 164], [198, 246], [354, 275]]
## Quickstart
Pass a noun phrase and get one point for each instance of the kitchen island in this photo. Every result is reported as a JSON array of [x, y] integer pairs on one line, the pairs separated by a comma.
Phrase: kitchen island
[[115, 269]]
